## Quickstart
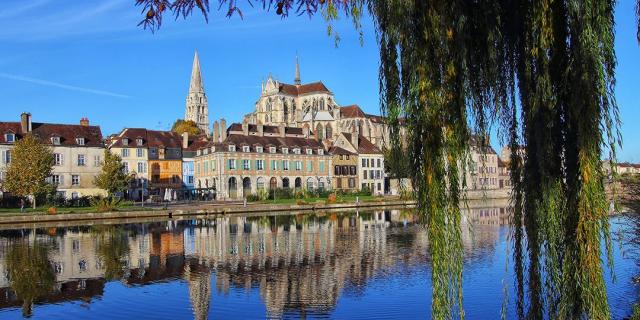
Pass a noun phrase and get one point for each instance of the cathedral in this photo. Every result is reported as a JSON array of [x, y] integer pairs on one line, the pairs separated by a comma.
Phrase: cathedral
[[313, 106], [197, 108]]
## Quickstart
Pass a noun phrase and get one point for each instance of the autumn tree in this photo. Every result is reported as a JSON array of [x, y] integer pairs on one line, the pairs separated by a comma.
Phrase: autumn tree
[[31, 165], [113, 178], [30, 273], [188, 126], [544, 72]]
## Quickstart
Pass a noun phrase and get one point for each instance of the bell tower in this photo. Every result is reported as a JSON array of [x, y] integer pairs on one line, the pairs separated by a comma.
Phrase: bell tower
[[197, 107]]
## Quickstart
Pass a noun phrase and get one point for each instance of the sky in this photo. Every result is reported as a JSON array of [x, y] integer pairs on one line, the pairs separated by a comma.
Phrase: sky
[[64, 60]]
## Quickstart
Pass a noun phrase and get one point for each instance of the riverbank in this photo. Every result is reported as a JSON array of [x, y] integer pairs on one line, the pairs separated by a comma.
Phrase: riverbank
[[198, 210]]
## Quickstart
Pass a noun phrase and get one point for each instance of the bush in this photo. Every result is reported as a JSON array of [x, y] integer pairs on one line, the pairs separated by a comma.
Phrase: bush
[[280, 193], [331, 199], [253, 197], [106, 204]]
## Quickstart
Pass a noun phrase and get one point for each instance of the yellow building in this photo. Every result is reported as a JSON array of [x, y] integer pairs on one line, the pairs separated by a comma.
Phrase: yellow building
[[345, 169]]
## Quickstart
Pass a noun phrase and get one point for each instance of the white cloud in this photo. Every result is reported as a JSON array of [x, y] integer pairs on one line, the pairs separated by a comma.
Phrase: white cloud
[[61, 85]]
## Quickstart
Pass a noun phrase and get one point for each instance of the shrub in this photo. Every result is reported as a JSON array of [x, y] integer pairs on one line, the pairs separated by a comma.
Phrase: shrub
[[300, 202], [253, 197], [331, 199], [105, 204]]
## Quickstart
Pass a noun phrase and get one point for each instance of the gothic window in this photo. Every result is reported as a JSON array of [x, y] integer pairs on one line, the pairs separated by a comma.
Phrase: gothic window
[[320, 131], [321, 104], [328, 131]]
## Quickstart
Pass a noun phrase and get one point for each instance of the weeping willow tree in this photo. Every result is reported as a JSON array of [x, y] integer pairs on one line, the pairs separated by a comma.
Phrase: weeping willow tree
[[543, 73]]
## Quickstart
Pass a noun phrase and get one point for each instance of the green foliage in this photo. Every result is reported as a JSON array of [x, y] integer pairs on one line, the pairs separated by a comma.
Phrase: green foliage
[[107, 204], [31, 165], [112, 178], [112, 248], [189, 126], [30, 273]]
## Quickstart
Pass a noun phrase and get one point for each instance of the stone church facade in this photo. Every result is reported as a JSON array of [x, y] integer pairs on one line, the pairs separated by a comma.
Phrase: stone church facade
[[313, 106], [197, 107]]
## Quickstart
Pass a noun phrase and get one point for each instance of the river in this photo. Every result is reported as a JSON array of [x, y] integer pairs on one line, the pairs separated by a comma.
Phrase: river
[[342, 265]]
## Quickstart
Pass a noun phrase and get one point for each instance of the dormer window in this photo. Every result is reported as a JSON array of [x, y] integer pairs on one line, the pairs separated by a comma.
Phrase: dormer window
[[139, 141], [321, 152], [125, 141], [296, 150], [80, 141], [199, 152], [272, 149], [245, 148], [309, 151], [9, 137], [55, 141], [213, 149], [285, 150], [206, 151], [232, 148], [259, 149]]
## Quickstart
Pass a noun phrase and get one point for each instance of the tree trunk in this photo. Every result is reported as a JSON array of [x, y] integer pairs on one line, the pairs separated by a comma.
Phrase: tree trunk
[[34, 201]]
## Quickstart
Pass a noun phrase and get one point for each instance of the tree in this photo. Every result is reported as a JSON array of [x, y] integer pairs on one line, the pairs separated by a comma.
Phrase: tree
[[544, 71], [31, 165], [188, 126], [112, 178], [30, 273]]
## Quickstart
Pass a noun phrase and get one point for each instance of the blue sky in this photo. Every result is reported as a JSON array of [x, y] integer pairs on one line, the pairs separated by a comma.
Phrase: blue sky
[[63, 60]]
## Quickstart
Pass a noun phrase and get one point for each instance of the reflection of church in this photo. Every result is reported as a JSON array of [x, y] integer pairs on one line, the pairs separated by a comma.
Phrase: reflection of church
[[313, 105]]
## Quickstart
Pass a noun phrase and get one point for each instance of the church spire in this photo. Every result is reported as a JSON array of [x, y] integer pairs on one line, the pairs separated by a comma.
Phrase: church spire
[[196, 77], [297, 77]]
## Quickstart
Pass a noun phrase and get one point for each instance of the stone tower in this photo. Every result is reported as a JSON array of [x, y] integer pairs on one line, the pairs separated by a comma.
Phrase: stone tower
[[197, 108]]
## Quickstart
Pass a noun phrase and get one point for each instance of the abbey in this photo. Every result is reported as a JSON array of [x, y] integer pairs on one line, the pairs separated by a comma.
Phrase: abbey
[[313, 106], [197, 108]]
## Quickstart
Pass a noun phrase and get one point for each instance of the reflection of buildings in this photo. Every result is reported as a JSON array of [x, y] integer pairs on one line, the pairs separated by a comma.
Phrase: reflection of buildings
[[299, 264]]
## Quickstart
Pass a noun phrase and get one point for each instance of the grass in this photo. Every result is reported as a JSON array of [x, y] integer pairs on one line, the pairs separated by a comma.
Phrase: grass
[[128, 206]]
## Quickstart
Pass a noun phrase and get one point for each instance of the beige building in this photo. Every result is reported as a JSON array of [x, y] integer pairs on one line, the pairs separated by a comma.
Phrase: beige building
[[78, 152], [371, 173], [345, 169], [131, 144], [248, 159], [483, 171]]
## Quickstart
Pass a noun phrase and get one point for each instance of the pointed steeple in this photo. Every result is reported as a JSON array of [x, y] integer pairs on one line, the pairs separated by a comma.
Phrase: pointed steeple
[[196, 77], [297, 76]]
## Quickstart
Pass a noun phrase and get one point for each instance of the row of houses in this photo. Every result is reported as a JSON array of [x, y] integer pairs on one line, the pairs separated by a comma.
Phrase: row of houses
[[234, 162]]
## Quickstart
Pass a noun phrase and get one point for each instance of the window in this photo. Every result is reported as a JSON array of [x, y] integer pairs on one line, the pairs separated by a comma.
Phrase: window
[[199, 152], [206, 167], [232, 164], [205, 151], [124, 152], [142, 167], [260, 164], [80, 141], [371, 176], [97, 161], [259, 149], [125, 141], [352, 183], [139, 152], [347, 157], [341, 157], [245, 149], [321, 152], [285, 165], [6, 157], [298, 165], [364, 174], [377, 174], [212, 165], [296, 150], [75, 180], [81, 160], [309, 165], [321, 166], [125, 167], [285, 150], [139, 141], [74, 195], [379, 186], [274, 165], [232, 148], [339, 183], [364, 163], [9, 137], [309, 151], [246, 164], [56, 179], [55, 140], [352, 171], [272, 149], [57, 159], [336, 170], [379, 163]]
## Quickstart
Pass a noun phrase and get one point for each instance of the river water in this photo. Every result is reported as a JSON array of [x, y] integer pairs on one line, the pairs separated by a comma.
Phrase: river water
[[344, 265]]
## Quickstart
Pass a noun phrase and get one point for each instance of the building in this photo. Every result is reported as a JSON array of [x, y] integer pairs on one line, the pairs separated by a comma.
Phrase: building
[[622, 168], [78, 152], [131, 144], [345, 169], [483, 172], [370, 161], [250, 159], [314, 107], [197, 107], [190, 146]]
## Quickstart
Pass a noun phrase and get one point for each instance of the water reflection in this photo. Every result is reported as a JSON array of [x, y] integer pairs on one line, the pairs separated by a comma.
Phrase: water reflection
[[299, 264]]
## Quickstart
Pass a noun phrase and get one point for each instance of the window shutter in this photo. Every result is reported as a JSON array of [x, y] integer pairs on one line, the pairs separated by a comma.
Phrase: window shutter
[[61, 179]]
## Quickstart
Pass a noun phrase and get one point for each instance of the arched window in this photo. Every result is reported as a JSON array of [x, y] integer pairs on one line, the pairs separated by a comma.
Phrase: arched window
[[260, 184], [310, 184], [233, 188], [285, 183], [298, 184], [246, 186], [273, 183], [320, 132], [328, 131]]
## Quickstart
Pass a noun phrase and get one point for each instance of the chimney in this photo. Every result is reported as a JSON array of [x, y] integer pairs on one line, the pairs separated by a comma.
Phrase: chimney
[[223, 130], [185, 140], [354, 139], [84, 122], [25, 122], [245, 128], [216, 132], [281, 129], [260, 130]]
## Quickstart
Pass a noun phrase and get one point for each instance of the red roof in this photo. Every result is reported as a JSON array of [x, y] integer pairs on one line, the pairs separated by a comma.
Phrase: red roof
[[66, 132], [352, 111], [303, 89], [364, 145]]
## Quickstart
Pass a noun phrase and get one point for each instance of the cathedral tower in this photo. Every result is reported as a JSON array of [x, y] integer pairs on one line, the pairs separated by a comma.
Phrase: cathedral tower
[[197, 108]]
